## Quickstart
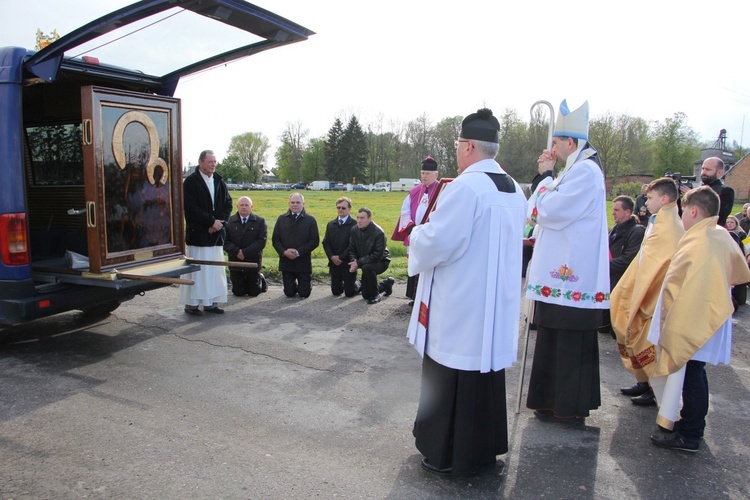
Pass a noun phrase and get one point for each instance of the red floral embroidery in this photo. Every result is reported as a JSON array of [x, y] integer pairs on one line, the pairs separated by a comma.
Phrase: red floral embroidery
[[576, 296], [599, 297], [534, 212], [546, 291]]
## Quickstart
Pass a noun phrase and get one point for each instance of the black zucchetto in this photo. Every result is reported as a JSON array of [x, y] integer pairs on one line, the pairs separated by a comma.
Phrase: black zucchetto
[[481, 126]]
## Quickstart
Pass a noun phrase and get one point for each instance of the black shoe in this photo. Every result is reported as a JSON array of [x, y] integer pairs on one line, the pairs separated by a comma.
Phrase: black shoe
[[213, 310], [411, 302], [193, 310], [673, 442], [645, 399], [443, 472], [388, 286], [635, 390], [374, 300], [549, 416], [263, 283]]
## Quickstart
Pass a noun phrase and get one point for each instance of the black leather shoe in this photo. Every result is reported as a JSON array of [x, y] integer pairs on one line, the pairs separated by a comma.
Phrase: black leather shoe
[[645, 399], [549, 416], [263, 283], [635, 390], [374, 300], [213, 310], [388, 286], [673, 442], [443, 472], [193, 310]]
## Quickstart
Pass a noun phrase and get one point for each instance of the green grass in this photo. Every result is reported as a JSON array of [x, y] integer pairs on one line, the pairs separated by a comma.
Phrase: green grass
[[385, 207]]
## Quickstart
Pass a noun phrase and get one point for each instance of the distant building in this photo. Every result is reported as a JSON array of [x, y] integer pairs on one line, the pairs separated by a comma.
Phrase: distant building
[[738, 178]]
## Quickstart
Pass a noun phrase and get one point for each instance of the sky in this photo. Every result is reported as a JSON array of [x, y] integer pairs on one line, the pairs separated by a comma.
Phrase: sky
[[389, 62]]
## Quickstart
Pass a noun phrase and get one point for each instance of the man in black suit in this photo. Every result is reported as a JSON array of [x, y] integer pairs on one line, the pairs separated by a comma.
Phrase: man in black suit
[[336, 246], [246, 237], [295, 236]]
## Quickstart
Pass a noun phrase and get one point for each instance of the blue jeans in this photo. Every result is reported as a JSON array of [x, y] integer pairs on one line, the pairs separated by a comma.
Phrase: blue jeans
[[694, 402]]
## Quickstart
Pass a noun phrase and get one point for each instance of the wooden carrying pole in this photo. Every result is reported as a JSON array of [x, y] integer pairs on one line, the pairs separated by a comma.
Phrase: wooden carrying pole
[[247, 265], [156, 279]]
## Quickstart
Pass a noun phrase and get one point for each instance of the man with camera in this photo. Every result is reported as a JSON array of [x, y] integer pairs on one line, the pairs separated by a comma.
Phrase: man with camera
[[711, 172]]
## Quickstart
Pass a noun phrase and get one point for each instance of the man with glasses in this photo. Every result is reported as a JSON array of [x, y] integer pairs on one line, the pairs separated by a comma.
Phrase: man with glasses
[[569, 275], [336, 246], [465, 322], [295, 236], [413, 210]]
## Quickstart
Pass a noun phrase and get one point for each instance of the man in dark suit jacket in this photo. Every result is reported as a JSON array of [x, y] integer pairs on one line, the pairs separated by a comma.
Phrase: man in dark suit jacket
[[336, 246], [207, 206], [624, 242], [246, 237], [295, 236]]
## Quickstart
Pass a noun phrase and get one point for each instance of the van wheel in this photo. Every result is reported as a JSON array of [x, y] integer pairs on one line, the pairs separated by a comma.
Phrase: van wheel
[[102, 309]]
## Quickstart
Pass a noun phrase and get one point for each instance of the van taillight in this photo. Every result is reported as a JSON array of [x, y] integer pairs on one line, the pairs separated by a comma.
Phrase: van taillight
[[13, 240]]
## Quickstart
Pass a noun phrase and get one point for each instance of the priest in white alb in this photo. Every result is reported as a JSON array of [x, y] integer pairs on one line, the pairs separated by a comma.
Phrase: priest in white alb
[[467, 306]]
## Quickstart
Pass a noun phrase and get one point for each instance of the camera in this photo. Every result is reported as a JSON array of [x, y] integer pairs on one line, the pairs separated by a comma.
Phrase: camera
[[681, 180]]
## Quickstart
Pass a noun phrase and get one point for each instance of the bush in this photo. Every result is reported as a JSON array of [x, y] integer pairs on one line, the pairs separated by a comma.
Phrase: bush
[[631, 189]]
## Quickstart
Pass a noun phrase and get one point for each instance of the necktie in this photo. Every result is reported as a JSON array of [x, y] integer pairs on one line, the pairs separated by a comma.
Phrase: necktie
[[244, 221], [341, 222]]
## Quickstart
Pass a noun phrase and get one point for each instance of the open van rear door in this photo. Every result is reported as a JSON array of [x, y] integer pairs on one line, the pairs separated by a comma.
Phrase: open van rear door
[[165, 40]]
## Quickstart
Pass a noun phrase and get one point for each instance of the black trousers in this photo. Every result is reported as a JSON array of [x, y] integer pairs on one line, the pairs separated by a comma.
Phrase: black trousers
[[297, 283], [245, 282], [461, 421], [342, 281], [370, 278]]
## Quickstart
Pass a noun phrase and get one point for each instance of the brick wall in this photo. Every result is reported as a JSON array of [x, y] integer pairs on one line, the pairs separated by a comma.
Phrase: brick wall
[[738, 178]]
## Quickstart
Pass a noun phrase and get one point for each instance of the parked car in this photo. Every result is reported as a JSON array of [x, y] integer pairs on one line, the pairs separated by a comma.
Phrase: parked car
[[299, 185], [359, 187]]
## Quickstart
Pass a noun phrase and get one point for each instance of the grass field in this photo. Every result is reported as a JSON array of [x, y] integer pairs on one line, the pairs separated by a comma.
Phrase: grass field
[[322, 205]]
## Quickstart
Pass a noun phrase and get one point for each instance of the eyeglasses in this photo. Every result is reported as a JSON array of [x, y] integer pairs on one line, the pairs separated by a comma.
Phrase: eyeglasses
[[455, 143], [341, 208]]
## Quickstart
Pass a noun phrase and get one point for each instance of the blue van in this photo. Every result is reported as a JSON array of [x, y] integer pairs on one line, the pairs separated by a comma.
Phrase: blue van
[[91, 192]]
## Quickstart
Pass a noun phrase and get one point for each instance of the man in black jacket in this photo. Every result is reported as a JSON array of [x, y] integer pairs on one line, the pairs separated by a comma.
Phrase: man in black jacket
[[207, 206], [295, 236], [367, 251], [625, 239], [246, 237], [711, 172], [336, 246]]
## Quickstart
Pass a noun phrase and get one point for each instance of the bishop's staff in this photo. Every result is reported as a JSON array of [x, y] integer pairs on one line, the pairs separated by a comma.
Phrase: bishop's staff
[[529, 304]]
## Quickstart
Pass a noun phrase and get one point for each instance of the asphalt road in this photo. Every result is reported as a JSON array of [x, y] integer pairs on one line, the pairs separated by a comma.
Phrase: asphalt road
[[289, 398]]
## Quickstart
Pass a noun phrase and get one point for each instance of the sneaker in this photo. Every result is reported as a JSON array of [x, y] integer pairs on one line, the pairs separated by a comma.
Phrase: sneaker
[[388, 286], [374, 300], [673, 442]]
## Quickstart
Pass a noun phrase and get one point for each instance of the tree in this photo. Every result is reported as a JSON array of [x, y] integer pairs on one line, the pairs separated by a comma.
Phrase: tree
[[233, 171], [445, 134], [353, 152], [515, 146], [248, 150], [289, 154], [675, 146], [333, 165], [314, 161], [420, 142]]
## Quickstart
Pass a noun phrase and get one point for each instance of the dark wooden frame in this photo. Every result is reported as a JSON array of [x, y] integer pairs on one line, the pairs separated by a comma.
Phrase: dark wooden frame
[[95, 141]]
